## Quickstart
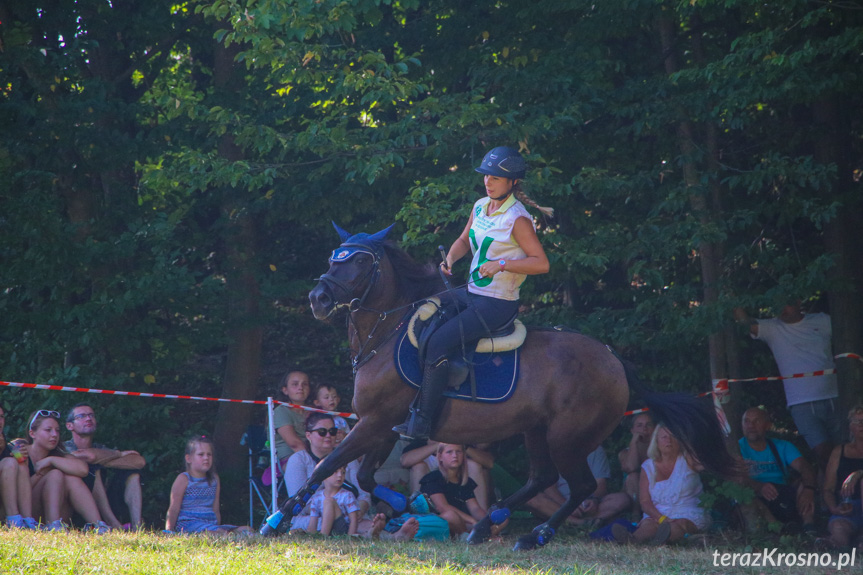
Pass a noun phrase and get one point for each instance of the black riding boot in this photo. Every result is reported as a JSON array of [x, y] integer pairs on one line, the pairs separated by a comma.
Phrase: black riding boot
[[421, 419]]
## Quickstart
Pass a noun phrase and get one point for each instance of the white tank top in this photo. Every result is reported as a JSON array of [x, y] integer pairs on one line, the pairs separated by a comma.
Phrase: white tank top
[[491, 240]]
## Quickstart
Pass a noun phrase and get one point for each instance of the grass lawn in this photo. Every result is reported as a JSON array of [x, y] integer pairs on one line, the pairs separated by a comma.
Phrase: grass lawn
[[129, 553]]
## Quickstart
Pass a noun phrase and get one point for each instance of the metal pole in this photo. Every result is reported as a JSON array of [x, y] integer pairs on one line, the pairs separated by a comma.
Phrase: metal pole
[[274, 485]]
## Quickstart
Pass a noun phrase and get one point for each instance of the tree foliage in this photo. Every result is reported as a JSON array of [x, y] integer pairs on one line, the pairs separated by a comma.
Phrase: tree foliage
[[170, 172]]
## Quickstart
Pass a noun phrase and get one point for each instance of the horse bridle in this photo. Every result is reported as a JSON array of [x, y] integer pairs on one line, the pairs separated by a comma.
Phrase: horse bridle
[[371, 275]]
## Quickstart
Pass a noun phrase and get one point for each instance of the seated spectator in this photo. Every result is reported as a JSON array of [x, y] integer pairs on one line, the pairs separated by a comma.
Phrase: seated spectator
[[289, 422], [597, 509], [56, 477], [320, 441], [15, 491], [121, 489], [843, 480], [669, 490], [391, 474], [801, 343], [420, 457], [770, 463], [633, 455], [194, 504], [327, 398], [333, 509], [451, 490]]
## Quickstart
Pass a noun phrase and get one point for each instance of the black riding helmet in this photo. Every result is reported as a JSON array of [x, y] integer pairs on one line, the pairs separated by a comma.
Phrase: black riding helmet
[[503, 162]]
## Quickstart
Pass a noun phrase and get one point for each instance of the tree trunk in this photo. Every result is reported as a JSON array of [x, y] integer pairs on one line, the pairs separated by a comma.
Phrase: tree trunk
[[841, 239], [244, 330], [705, 203]]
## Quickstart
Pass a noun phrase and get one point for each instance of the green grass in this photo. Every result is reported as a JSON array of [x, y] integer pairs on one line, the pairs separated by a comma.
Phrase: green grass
[[75, 552]]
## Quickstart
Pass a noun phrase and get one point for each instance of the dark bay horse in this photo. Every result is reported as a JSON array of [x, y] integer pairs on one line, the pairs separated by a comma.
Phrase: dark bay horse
[[572, 390]]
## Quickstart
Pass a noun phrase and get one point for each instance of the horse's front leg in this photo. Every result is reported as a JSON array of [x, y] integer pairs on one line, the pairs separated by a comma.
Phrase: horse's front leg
[[361, 440]]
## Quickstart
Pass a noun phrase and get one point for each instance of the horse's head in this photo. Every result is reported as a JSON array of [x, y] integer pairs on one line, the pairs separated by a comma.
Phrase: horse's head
[[354, 269]]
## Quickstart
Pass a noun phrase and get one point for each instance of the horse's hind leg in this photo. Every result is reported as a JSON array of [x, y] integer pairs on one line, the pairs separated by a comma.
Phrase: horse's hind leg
[[575, 471], [542, 475]]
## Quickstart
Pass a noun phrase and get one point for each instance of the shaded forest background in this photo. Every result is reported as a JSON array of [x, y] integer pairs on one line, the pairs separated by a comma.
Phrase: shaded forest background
[[169, 170]]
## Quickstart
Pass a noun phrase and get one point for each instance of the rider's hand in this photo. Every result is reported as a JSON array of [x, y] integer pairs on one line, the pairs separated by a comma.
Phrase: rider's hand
[[445, 266]]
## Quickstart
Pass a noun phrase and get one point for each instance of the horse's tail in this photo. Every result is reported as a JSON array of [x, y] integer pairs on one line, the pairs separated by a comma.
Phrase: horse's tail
[[691, 420]]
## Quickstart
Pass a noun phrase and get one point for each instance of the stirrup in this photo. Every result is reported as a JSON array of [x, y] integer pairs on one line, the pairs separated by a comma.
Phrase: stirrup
[[409, 429]]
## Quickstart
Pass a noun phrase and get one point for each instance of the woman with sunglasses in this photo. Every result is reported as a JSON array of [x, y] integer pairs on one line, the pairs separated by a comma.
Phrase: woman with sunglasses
[[56, 477], [320, 434]]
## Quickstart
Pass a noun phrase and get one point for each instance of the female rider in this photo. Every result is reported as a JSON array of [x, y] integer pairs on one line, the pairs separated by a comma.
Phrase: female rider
[[501, 236]]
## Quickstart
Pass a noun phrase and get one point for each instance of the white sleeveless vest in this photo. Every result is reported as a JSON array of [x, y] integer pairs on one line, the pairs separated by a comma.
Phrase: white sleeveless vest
[[491, 240]]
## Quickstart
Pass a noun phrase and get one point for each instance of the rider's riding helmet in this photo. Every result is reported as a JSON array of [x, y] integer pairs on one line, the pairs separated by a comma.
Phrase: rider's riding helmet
[[503, 162]]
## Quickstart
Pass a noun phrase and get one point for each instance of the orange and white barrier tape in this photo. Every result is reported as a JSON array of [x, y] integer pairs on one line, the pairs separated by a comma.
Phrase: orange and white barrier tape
[[720, 387], [169, 396]]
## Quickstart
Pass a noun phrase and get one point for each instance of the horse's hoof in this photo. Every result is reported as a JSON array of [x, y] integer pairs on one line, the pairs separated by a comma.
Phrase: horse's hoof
[[525, 543], [273, 524], [475, 538], [480, 532]]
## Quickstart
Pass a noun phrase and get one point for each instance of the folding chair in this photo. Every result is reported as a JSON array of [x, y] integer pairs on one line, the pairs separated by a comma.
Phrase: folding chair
[[255, 439]]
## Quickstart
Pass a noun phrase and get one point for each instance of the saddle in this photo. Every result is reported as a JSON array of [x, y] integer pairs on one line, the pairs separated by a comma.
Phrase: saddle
[[486, 372], [432, 314]]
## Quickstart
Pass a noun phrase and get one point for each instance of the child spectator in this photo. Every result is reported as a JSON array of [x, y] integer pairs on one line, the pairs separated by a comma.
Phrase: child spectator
[[451, 490], [289, 422], [420, 458], [194, 506], [333, 509], [326, 397]]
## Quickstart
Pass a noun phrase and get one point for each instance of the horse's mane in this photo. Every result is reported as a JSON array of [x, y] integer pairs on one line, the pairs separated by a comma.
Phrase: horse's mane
[[414, 280]]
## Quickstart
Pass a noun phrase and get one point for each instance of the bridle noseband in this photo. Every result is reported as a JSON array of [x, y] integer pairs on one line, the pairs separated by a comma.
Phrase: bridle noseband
[[345, 252]]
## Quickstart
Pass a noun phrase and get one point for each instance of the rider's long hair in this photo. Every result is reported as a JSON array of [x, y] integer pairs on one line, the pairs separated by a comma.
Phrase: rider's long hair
[[518, 190]]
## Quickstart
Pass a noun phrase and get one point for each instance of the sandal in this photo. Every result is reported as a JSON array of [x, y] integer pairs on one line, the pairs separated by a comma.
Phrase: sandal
[[663, 532]]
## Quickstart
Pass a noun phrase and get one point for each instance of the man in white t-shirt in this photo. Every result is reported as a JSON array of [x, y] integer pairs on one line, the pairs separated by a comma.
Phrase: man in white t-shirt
[[801, 344]]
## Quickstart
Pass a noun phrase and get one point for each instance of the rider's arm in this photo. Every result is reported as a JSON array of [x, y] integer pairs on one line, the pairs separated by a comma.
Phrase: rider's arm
[[535, 260], [460, 246]]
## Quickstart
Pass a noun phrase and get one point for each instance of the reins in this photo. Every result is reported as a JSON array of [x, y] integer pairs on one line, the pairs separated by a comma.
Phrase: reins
[[356, 305]]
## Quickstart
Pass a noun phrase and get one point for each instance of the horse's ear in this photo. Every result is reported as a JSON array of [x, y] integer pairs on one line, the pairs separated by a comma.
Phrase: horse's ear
[[382, 235], [342, 233]]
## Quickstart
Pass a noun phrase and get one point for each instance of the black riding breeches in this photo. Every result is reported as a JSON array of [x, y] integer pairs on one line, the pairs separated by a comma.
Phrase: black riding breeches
[[447, 340]]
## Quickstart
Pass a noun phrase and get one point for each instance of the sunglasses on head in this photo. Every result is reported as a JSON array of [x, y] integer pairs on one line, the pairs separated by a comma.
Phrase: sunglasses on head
[[323, 431], [43, 413]]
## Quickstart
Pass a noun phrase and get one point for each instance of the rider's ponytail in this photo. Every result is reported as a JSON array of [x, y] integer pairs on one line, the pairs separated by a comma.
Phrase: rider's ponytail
[[525, 199]]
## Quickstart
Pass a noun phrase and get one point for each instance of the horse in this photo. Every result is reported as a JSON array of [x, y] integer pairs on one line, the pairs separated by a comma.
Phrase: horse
[[571, 393]]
